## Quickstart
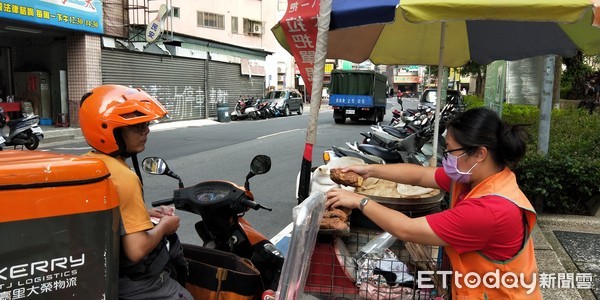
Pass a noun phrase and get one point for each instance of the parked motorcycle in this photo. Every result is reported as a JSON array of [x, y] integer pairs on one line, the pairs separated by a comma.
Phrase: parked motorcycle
[[264, 109], [244, 108], [412, 149], [24, 131], [386, 135], [337, 152], [395, 117], [411, 143], [401, 117], [222, 204]]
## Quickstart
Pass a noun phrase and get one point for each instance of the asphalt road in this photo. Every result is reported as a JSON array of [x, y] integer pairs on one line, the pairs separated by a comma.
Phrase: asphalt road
[[224, 151]]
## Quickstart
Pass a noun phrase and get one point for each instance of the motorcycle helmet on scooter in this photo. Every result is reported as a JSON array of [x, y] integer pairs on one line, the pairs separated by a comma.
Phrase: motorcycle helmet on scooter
[[107, 108]]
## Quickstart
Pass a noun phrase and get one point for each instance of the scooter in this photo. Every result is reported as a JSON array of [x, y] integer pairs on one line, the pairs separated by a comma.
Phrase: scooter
[[383, 145], [263, 109], [222, 205], [22, 132], [244, 109]]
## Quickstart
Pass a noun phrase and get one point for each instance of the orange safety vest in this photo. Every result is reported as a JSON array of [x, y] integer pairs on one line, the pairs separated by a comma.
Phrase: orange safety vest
[[515, 278]]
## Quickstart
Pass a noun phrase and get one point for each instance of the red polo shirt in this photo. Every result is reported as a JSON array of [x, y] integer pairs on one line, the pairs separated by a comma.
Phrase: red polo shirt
[[490, 224]]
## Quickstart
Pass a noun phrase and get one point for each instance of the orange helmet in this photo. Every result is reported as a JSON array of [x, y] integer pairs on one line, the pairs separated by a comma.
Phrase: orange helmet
[[109, 107]]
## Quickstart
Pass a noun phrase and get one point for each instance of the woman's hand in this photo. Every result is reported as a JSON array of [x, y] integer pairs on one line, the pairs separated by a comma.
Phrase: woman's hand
[[337, 197], [361, 170]]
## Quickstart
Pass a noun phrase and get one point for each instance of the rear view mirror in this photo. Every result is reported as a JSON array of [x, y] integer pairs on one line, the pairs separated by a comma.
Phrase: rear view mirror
[[260, 164], [155, 165]]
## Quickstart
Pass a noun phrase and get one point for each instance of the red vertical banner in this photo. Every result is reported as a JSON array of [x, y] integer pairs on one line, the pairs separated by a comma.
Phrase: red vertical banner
[[300, 27]]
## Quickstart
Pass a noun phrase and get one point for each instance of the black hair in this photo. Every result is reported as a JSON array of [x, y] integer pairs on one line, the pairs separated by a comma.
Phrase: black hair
[[482, 126]]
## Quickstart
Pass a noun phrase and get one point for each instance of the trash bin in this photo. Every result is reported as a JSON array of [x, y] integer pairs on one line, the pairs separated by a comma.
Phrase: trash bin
[[60, 227], [223, 112]]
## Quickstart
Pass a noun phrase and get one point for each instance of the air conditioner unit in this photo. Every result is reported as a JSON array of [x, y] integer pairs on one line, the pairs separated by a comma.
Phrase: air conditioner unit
[[256, 28]]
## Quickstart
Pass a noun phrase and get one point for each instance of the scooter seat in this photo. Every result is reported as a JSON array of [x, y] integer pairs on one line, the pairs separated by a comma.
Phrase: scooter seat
[[369, 159], [390, 156], [13, 122], [393, 131]]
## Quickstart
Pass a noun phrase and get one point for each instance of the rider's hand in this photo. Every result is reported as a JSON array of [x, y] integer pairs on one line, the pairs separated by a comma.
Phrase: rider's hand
[[159, 212], [169, 224], [155, 212]]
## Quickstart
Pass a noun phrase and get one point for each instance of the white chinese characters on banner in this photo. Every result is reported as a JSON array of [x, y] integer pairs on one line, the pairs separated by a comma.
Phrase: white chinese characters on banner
[[300, 28]]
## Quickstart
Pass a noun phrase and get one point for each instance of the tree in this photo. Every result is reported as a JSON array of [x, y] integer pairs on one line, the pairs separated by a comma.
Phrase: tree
[[574, 77], [478, 71]]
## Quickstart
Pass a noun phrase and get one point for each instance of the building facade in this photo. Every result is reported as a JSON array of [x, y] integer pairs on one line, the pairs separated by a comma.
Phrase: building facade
[[190, 55]]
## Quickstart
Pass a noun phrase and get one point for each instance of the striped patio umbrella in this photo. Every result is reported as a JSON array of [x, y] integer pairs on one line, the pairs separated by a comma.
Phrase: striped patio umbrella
[[446, 33]]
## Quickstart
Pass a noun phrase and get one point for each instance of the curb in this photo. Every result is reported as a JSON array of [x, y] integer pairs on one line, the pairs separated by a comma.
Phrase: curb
[[60, 135], [590, 222]]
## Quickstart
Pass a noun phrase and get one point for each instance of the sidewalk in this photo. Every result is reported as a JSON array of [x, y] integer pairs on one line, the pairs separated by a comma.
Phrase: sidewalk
[[567, 247], [53, 134]]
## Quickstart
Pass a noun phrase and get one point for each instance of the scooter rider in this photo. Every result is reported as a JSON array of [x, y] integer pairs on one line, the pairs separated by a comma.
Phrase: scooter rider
[[114, 120]]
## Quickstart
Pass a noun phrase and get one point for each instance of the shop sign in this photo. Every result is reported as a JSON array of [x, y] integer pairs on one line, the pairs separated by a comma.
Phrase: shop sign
[[346, 65], [329, 67], [82, 15], [406, 79]]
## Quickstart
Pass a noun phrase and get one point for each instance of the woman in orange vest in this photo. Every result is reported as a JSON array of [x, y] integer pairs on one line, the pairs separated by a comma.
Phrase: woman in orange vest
[[486, 231]]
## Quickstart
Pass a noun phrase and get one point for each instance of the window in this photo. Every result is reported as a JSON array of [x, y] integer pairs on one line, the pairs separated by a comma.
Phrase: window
[[176, 12], [210, 20], [234, 24]]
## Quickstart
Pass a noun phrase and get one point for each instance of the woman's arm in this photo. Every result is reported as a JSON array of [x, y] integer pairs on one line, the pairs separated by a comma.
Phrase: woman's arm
[[407, 229], [403, 173], [396, 223]]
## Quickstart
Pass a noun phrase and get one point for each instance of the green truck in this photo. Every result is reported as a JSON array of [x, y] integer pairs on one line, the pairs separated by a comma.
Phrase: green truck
[[357, 94]]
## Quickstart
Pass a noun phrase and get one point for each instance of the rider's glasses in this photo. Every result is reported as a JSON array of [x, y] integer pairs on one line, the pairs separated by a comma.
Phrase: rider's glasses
[[466, 149], [139, 128]]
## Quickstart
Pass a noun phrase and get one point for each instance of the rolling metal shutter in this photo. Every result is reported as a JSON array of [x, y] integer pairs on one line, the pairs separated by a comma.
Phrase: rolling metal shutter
[[177, 82], [227, 84]]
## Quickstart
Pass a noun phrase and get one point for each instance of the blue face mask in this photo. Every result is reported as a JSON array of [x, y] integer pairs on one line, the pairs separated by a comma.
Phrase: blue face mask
[[450, 163]]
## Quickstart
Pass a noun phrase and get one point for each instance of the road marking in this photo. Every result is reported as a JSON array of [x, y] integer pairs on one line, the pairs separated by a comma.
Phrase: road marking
[[277, 133]]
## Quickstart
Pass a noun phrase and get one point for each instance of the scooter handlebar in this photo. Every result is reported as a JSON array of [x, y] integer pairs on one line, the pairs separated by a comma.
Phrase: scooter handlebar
[[163, 202], [251, 204]]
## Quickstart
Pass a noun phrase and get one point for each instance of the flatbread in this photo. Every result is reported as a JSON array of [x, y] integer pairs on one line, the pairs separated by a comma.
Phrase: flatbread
[[389, 189], [378, 187], [412, 190]]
